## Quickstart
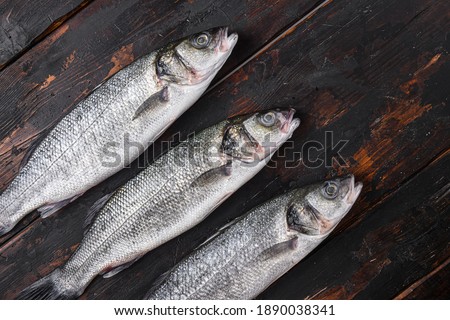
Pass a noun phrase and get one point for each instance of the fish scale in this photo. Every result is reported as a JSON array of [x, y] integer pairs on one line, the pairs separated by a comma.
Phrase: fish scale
[[253, 251], [170, 196], [98, 137], [141, 209], [43, 170]]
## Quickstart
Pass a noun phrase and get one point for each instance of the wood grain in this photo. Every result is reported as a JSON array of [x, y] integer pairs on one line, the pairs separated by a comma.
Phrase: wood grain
[[61, 70], [47, 81], [25, 23], [373, 73], [433, 285], [405, 236]]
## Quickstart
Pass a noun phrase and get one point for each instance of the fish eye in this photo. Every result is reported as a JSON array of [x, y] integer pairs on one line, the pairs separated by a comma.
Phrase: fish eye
[[201, 40], [330, 190], [267, 119]]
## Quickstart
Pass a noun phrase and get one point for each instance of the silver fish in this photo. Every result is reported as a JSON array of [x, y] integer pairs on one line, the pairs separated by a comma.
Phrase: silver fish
[[249, 254], [169, 197], [136, 105]]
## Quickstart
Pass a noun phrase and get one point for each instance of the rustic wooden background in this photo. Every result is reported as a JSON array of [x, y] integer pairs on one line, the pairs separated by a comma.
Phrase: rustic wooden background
[[375, 73]]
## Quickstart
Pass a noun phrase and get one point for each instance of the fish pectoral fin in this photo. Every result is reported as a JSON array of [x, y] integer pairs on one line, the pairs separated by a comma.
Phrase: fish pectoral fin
[[157, 99], [279, 248], [115, 270], [212, 175], [47, 210], [100, 203]]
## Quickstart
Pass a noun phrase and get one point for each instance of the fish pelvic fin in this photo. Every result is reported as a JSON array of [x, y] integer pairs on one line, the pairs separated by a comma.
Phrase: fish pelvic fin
[[47, 210], [115, 270], [46, 288]]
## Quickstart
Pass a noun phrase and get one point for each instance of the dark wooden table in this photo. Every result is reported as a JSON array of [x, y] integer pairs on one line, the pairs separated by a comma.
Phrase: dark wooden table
[[375, 73]]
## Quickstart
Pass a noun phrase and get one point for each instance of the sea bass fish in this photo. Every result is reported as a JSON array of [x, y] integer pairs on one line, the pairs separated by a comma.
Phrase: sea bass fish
[[252, 252], [170, 196], [134, 106]]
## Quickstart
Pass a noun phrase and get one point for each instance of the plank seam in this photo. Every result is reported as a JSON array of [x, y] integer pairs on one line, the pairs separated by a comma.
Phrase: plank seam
[[55, 25], [285, 32], [405, 293], [387, 196], [440, 155]]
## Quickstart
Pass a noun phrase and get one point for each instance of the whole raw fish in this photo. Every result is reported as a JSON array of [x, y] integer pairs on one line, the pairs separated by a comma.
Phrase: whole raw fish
[[249, 254], [133, 108], [169, 197]]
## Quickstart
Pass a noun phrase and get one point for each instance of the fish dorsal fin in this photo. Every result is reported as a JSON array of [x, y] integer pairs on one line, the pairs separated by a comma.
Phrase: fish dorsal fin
[[279, 248], [100, 203], [156, 99], [212, 175]]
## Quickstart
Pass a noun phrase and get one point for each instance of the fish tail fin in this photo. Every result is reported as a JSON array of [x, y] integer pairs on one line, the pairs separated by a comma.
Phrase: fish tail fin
[[46, 289]]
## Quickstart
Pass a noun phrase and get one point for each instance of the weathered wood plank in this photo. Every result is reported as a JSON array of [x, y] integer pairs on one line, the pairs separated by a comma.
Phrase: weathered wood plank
[[356, 98], [108, 35], [431, 286], [45, 83], [25, 23], [373, 73], [392, 247]]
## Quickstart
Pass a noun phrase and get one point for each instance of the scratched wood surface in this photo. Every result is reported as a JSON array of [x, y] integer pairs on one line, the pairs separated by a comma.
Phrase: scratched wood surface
[[373, 73], [47, 81], [24, 23]]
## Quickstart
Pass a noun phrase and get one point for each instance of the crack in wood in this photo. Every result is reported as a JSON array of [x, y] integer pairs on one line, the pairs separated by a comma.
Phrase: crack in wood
[[405, 293], [291, 28], [55, 24]]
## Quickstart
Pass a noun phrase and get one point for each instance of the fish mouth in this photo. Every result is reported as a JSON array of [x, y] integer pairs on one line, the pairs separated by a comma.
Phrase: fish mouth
[[226, 42], [223, 49], [354, 189], [289, 123]]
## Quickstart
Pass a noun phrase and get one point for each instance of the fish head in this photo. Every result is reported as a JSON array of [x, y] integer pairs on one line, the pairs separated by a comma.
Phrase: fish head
[[255, 137], [317, 210], [195, 59]]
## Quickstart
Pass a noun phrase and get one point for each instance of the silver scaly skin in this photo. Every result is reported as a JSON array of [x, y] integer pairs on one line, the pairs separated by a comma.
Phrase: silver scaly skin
[[137, 104], [249, 254], [169, 197]]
